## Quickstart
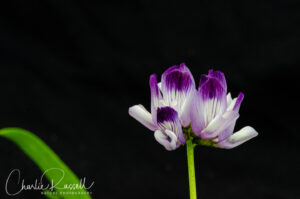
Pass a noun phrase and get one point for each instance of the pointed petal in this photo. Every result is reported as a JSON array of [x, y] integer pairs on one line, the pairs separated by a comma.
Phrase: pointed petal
[[235, 103], [219, 124], [167, 119], [176, 85], [229, 99], [238, 138], [159, 85], [238, 101], [155, 96], [233, 106], [168, 139], [139, 113]]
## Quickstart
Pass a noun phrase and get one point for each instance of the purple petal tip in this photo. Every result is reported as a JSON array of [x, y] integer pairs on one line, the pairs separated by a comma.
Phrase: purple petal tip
[[153, 78], [178, 80], [211, 88], [166, 114], [182, 65], [238, 101]]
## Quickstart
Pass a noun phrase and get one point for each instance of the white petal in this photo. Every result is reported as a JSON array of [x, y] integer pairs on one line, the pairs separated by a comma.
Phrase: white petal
[[173, 137], [230, 102], [139, 113], [185, 116], [231, 105], [167, 119], [163, 139], [213, 94], [197, 116], [219, 124], [159, 85], [238, 138], [229, 98], [160, 137], [226, 133], [177, 83], [235, 103]]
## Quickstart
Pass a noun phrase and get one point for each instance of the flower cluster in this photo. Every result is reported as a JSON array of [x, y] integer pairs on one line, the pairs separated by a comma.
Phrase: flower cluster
[[179, 111]]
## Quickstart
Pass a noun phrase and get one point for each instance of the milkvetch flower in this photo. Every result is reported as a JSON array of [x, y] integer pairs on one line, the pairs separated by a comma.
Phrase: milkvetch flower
[[170, 106], [180, 114], [214, 114]]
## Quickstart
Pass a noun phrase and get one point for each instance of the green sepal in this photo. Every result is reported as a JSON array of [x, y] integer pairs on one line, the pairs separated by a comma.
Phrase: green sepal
[[190, 135]]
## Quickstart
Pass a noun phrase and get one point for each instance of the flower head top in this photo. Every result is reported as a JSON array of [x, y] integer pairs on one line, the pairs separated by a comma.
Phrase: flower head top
[[175, 90], [170, 104], [179, 111], [214, 114]]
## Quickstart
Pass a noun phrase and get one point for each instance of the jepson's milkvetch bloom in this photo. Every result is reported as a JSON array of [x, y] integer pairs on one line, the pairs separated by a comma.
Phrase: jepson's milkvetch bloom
[[207, 115], [170, 106], [180, 114], [214, 114]]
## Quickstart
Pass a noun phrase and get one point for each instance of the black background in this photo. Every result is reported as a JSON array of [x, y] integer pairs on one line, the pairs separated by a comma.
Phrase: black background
[[69, 72]]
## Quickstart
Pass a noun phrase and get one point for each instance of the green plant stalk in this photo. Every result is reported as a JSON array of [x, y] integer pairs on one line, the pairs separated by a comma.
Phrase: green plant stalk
[[191, 168]]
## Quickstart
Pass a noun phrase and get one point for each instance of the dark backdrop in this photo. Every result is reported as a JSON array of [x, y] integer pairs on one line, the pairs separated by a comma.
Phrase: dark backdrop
[[69, 72]]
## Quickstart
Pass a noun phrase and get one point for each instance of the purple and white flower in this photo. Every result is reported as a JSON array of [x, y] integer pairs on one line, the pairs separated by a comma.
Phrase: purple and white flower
[[209, 114], [170, 106], [214, 114]]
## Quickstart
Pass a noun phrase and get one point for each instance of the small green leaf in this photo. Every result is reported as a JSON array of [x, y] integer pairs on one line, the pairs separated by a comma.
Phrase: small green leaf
[[47, 160]]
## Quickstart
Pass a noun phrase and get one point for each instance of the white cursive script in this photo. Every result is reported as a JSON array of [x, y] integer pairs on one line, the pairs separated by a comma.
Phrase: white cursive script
[[38, 184]]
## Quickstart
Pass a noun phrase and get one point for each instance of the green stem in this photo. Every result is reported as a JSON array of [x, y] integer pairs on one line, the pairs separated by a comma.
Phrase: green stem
[[191, 168]]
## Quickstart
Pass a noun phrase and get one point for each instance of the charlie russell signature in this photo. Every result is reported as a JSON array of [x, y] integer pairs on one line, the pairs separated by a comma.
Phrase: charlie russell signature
[[15, 177]]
